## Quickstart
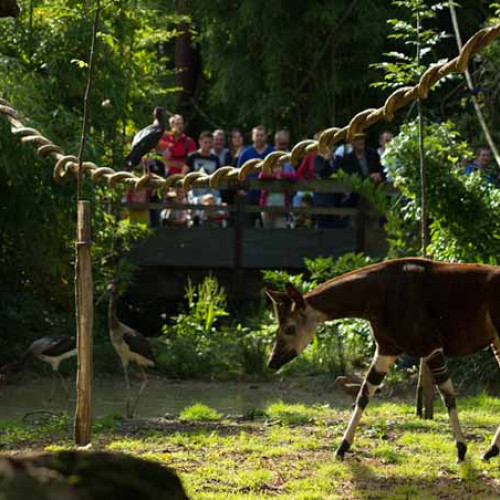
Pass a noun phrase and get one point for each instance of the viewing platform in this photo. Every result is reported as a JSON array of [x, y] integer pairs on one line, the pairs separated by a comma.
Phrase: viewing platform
[[237, 253]]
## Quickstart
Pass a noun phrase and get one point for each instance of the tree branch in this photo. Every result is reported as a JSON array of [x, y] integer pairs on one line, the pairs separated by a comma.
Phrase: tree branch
[[86, 101]]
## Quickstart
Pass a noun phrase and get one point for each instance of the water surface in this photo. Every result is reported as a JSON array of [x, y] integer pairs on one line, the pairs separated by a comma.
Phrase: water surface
[[162, 396]]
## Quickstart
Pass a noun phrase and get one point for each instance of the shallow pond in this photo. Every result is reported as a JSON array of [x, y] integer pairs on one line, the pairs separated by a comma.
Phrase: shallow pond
[[163, 396]]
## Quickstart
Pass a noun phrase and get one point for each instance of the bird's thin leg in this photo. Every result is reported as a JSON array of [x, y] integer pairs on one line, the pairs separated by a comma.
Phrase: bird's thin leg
[[141, 389], [53, 388], [64, 385], [127, 384]]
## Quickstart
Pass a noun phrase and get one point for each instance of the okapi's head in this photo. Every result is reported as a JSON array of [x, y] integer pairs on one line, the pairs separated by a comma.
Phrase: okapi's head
[[297, 325]]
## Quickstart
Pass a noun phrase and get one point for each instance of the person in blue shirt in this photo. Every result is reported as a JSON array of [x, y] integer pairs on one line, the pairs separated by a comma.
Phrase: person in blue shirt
[[482, 164], [259, 149]]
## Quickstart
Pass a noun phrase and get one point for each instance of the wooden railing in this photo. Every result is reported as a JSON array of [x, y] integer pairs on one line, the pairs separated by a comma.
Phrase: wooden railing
[[243, 246]]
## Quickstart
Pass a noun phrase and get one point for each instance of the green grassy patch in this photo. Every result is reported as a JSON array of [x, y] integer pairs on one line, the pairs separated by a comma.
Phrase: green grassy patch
[[199, 413], [287, 451]]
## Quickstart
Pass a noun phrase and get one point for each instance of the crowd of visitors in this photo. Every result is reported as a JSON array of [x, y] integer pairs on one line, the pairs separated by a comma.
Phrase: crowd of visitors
[[177, 153]]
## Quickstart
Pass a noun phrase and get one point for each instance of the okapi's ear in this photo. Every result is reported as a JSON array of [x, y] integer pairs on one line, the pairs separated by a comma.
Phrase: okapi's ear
[[276, 297], [296, 296]]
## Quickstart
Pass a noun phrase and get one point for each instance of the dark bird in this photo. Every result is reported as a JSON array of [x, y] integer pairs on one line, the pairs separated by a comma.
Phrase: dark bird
[[51, 350], [9, 8], [147, 138], [130, 345]]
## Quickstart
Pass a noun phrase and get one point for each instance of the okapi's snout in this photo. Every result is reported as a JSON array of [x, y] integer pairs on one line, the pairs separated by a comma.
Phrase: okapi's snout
[[280, 357]]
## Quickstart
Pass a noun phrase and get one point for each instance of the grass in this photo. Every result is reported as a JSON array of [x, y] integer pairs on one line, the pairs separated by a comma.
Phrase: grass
[[287, 450], [199, 413]]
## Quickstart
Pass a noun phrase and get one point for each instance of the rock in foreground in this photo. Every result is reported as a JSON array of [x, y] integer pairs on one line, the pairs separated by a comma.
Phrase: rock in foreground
[[81, 475]]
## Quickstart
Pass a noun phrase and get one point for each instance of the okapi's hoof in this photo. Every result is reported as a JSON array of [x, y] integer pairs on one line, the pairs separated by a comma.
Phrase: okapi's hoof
[[461, 451], [344, 446], [492, 452]]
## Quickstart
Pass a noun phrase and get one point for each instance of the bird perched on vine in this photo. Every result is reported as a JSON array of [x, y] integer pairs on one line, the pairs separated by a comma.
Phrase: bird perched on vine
[[49, 349], [129, 344], [147, 138]]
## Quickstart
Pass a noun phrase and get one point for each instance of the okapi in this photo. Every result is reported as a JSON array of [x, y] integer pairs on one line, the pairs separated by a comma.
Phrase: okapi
[[417, 306]]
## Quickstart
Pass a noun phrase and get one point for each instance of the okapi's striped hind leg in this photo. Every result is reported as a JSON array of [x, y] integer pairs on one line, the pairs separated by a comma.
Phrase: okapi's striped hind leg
[[494, 448], [378, 370], [437, 364]]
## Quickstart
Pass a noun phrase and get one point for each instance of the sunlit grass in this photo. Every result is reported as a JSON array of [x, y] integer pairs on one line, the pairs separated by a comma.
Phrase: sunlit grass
[[288, 451], [199, 413]]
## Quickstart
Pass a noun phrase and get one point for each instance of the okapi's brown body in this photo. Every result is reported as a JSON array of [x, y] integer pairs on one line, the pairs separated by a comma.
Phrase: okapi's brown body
[[418, 305], [415, 306]]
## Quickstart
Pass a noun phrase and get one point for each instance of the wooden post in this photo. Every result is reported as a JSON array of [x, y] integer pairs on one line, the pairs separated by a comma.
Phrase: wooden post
[[238, 221], [84, 323], [360, 221], [425, 392], [425, 388]]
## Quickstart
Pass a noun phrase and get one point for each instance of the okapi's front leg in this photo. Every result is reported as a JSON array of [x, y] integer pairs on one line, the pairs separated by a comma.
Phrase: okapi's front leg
[[437, 364], [494, 448], [378, 370]]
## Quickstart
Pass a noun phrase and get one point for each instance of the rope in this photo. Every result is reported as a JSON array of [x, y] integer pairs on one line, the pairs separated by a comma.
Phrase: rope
[[68, 164]]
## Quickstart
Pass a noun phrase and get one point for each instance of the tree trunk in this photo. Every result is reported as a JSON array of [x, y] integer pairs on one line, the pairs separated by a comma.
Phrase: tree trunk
[[185, 60]]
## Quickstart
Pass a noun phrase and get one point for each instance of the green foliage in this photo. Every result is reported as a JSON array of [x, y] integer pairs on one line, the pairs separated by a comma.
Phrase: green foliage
[[254, 345], [463, 208], [374, 193], [43, 68], [278, 280], [191, 347], [199, 413], [199, 343], [326, 268], [288, 79], [319, 270], [206, 304], [43, 74], [403, 68], [36, 221], [114, 236]]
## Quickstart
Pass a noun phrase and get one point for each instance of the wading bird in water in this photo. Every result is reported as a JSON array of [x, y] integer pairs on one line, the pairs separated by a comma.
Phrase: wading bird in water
[[130, 346], [147, 138], [49, 349], [415, 306]]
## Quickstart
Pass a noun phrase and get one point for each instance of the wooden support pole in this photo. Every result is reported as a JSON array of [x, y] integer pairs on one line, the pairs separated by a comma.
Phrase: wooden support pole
[[84, 324], [425, 392], [425, 387], [360, 224]]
